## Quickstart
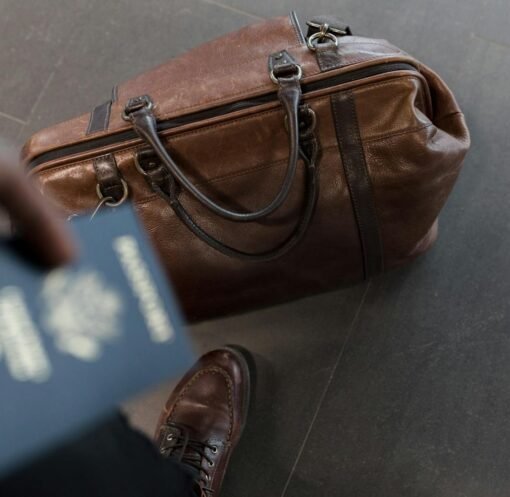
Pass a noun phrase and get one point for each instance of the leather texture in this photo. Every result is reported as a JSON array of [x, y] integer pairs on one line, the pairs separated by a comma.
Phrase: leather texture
[[407, 126], [205, 415]]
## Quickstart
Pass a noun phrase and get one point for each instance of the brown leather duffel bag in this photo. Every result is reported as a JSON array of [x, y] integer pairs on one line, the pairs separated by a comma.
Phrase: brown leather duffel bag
[[268, 164]]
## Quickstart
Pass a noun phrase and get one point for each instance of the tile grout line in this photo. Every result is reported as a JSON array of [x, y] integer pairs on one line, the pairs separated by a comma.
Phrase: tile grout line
[[37, 102], [326, 390], [56, 66], [233, 9], [12, 118], [489, 40]]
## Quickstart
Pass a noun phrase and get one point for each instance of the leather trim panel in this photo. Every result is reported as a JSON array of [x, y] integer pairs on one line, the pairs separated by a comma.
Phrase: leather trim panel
[[299, 32], [108, 177], [99, 118], [358, 181]]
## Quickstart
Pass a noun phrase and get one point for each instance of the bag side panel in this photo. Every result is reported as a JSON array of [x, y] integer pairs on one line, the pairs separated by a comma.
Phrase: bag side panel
[[412, 171]]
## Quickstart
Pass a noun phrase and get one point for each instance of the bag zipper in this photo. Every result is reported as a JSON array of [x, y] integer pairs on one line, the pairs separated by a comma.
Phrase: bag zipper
[[222, 110]]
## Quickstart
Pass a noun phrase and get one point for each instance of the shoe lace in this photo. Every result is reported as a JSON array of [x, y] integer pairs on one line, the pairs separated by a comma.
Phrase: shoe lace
[[191, 452]]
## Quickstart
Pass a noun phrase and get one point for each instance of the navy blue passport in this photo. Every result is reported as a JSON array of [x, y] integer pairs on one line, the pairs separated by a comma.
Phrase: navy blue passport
[[77, 341]]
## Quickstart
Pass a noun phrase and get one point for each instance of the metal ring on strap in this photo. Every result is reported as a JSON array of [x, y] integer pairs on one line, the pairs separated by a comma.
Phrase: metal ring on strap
[[125, 194], [144, 123], [321, 35], [299, 75]]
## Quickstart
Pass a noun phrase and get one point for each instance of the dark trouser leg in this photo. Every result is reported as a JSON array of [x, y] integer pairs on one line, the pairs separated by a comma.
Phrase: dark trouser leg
[[111, 460]]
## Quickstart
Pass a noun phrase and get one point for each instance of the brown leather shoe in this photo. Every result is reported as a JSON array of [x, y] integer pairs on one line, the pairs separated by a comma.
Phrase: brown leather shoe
[[205, 415]]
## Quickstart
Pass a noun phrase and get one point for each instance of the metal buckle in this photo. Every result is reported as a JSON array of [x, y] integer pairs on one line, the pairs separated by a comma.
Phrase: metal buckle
[[145, 155], [305, 113], [298, 75], [326, 31], [332, 29], [112, 203], [320, 35], [137, 103]]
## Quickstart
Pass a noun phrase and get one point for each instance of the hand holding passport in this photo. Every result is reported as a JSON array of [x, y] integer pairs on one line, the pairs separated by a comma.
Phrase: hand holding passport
[[77, 340]]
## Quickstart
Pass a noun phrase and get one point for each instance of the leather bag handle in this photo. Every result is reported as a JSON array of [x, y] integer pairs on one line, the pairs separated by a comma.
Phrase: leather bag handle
[[163, 183], [139, 112], [166, 178]]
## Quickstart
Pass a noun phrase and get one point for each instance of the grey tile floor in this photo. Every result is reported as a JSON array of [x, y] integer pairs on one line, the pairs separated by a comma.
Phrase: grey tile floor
[[400, 386]]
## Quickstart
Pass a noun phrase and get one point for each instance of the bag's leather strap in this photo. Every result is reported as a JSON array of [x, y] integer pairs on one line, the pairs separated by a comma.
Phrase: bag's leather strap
[[358, 180], [162, 182], [109, 178], [139, 112]]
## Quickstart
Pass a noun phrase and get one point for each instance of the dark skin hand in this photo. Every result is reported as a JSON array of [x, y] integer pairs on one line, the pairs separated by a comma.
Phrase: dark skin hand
[[42, 232]]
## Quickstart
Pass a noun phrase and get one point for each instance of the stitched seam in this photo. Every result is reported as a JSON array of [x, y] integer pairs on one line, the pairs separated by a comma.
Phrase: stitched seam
[[192, 132], [297, 29], [106, 121], [332, 65], [353, 196], [398, 133], [320, 59], [353, 60], [237, 174], [184, 134], [278, 109], [364, 166], [242, 93], [84, 161], [226, 123], [354, 120], [262, 166], [149, 199], [193, 380], [315, 100], [208, 102], [244, 172], [237, 120], [265, 85], [219, 179], [391, 80], [324, 61], [178, 137], [259, 167], [90, 123], [366, 86]]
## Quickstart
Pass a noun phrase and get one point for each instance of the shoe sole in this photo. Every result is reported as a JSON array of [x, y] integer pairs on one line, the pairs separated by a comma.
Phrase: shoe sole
[[248, 366]]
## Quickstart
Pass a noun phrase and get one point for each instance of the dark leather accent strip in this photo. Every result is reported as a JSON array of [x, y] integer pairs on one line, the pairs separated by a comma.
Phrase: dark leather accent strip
[[99, 118], [108, 177], [328, 57], [297, 27], [358, 180]]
